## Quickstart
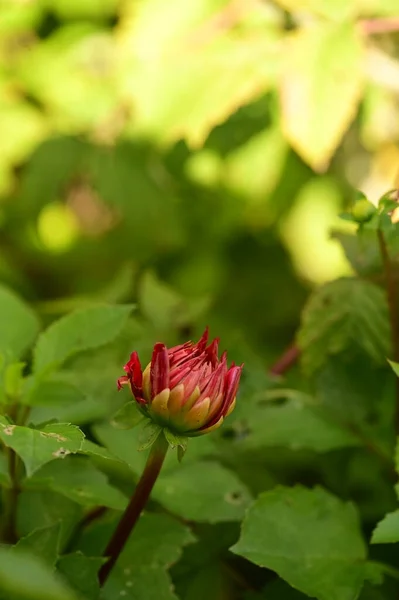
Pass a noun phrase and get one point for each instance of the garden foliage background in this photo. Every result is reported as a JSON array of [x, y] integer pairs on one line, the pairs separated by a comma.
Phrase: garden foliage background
[[185, 163]]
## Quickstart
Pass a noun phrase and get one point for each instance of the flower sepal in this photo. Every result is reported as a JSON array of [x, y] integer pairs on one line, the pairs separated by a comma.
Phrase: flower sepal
[[176, 441], [151, 431], [128, 416], [148, 435]]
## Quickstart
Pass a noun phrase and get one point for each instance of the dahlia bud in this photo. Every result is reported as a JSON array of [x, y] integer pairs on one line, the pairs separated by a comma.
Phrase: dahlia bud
[[186, 389]]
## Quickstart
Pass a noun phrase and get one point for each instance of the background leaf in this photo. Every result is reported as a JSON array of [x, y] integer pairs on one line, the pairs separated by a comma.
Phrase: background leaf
[[310, 538], [37, 447], [77, 332], [320, 88], [19, 324]]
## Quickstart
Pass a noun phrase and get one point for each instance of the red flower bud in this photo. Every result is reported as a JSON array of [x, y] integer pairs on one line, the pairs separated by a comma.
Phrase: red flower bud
[[187, 389]]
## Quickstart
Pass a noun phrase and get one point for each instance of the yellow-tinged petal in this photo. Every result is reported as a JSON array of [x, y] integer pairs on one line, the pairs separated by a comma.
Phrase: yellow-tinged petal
[[208, 429], [159, 404], [191, 400], [198, 415], [215, 406], [176, 399], [147, 383], [231, 408]]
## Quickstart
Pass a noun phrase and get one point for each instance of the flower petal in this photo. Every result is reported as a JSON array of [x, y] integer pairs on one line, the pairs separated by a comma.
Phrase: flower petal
[[159, 404], [159, 371]]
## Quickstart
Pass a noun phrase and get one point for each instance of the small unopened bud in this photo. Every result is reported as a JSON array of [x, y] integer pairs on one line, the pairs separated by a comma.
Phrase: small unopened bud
[[363, 210], [187, 389]]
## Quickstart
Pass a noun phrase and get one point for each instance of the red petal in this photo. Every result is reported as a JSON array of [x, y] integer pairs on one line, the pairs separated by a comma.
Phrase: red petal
[[159, 372], [202, 342], [212, 352], [232, 381], [122, 381]]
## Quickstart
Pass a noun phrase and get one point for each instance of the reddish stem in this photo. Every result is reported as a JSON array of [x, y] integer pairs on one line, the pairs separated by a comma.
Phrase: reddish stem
[[286, 361], [137, 503]]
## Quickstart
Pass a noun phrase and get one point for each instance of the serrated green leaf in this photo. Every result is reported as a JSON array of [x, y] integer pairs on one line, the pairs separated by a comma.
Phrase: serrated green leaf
[[78, 479], [42, 542], [19, 325], [141, 570], [128, 416], [310, 538], [37, 583], [38, 447], [320, 88], [81, 573], [387, 530], [80, 330], [40, 509], [346, 313], [202, 491], [148, 434]]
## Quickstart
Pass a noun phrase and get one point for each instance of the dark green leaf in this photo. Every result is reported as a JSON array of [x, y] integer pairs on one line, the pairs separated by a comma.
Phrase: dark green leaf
[[23, 576], [80, 330], [41, 509], [37, 447], [347, 313], [202, 491], [19, 325], [43, 543], [310, 538], [78, 479], [81, 573]]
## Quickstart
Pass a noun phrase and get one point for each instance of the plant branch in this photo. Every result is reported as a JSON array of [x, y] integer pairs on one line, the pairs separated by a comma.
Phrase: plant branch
[[377, 26], [135, 506], [10, 498], [390, 286], [286, 361]]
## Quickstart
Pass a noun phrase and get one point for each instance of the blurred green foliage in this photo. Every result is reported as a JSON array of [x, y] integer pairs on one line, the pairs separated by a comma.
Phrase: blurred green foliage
[[167, 165]]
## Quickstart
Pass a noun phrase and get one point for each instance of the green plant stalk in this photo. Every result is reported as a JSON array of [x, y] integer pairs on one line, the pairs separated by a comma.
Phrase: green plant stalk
[[10, 498], [390, 286], [137, 503]]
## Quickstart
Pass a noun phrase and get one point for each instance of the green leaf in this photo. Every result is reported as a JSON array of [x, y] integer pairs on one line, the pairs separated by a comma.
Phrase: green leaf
[[148, 434], [80, 330], [19, 325], [310, 538], [203, 491], [41, 509], [387, 530], [321, 82], [395, 368], [297, 423], [78, 479], [26, 577], [42, 542], [128, 416], [346, 313], [176, 441], [141, 569], [81, 573], [38, 447], [198, 62]]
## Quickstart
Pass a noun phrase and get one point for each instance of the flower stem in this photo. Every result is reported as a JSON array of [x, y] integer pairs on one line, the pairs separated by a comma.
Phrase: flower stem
[[390, 285], [135, 506]]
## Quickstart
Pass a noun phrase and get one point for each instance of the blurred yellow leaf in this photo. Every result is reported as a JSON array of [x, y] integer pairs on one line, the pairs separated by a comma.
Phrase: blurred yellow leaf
[[184, 79], [321, 87]]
